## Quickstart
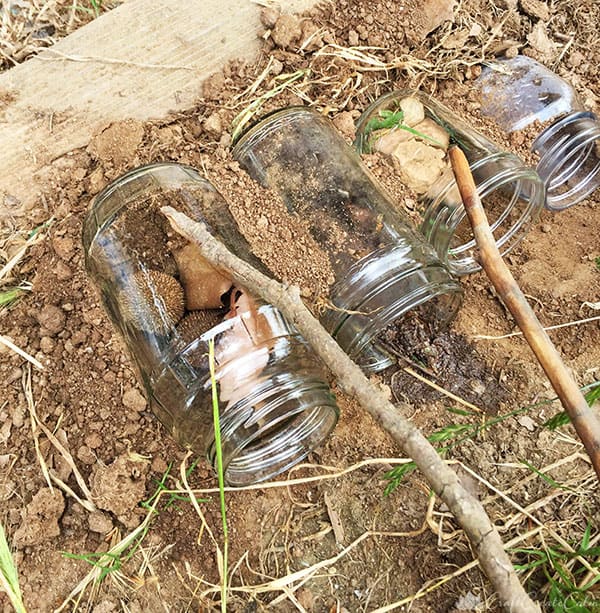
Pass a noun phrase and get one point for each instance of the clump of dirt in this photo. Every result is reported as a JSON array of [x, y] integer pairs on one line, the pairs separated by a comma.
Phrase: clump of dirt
[[40, 518], [120, 486]]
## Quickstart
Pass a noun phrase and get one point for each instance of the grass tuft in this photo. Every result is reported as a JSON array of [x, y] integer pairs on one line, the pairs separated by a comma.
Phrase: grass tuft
[[9, 578]]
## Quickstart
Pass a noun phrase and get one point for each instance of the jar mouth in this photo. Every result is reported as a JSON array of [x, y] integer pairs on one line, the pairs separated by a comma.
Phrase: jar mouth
[[287, 427], [569, 164], [511, 194], [378, 291], [274, 406]]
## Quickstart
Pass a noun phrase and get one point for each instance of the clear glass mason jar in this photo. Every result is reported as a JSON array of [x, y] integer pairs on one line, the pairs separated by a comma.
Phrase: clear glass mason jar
[[520, 92], [168, 303], [415, 131], [382, 266]]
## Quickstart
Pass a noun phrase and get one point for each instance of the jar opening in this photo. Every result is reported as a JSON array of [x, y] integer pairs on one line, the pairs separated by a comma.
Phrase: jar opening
[[511, 195], [274, 405], [378, 291], [569, 151]]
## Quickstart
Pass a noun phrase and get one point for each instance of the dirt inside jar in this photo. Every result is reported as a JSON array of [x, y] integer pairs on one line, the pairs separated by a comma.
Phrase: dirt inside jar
[[446, 358]]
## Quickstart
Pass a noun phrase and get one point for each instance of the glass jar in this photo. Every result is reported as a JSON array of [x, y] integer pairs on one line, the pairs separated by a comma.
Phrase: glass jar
[[519, 93], [382, 267], [168, 303], [415, 131]]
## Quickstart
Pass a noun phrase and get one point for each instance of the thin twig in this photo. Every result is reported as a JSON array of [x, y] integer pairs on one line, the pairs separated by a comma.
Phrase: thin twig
[[467, 510], [441, 389], [585, 421], [567, 324], [5, 341]]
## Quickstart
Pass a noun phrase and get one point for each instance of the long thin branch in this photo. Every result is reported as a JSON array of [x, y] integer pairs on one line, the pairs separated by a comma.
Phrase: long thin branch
[[469, 513], [584, 419]]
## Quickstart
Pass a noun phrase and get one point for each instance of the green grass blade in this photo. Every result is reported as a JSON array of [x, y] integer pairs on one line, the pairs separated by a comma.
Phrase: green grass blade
[[220, 473], [9, 296], [9, 578], [546, 478], [562, 419]]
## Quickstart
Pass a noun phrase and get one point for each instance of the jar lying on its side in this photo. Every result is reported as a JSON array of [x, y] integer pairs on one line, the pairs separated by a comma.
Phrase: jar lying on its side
[[382, 267], [520, 92], [169, 304], [415, 132]]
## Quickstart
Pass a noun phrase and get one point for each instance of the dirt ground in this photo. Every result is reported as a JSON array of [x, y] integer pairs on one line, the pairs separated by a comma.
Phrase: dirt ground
[[352, 547]]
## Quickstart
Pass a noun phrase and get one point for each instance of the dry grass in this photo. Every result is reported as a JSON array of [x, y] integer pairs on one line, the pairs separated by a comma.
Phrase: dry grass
[[28, 26], [505, 492]]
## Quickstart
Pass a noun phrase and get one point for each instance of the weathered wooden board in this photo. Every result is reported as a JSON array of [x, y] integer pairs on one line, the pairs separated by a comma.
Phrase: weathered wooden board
[[141, 60]]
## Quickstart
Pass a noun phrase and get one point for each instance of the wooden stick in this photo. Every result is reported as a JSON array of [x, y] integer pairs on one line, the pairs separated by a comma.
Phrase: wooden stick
[[467, 510], [584, 419]]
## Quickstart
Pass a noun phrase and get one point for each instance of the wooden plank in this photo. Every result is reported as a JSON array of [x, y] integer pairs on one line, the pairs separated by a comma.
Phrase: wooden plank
[[141, 60]]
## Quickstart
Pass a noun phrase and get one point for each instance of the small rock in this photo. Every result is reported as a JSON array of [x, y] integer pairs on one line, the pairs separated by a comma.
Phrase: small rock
[[84, 453], [353, 38], [540, 41], [213, 124], [14, 375], [134, 400], [52, 319], [63, 247], [420, 165], [526, 422], [432, 14], [414, 111], [100, 522], [47, 344], [96, 181], [93, 440], [18, 416], [310, 36], [286, 31], [269, 16], [438, 137], [536, 8], [390, 139]]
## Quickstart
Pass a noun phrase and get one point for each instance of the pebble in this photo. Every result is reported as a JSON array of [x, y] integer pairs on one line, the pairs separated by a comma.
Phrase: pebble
[[63, 247], [84, 453], [213, 124], [52, 319], [93, 440], [47, 344], [100, 522], [134, 400], [286, 31], [14, 375]]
